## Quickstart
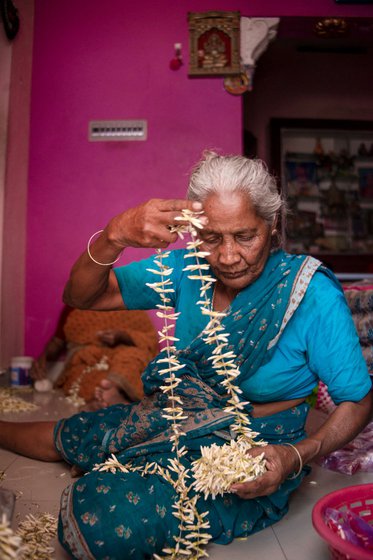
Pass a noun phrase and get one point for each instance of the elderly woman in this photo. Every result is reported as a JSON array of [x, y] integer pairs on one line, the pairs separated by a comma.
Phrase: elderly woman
[[289, 327]]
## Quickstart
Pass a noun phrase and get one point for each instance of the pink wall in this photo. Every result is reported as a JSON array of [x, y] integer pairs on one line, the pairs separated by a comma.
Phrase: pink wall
[[111, 62]]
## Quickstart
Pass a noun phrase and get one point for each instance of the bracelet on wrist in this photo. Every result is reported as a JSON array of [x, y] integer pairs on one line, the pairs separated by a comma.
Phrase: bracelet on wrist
[[90, 255], [298, 472]]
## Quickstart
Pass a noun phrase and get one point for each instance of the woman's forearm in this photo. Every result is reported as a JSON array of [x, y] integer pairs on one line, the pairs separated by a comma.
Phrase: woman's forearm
[[91, 286], [94, 286], [345, 423]]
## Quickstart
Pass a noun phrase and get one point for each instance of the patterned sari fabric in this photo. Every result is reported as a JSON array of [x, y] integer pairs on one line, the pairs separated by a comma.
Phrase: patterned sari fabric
[[124, 515]]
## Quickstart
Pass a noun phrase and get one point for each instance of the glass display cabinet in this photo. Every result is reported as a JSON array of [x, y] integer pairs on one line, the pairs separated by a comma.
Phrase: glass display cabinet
[[325, 170]]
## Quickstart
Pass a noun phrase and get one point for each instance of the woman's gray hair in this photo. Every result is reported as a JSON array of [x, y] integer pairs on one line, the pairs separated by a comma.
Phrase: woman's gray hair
[[216, 173]]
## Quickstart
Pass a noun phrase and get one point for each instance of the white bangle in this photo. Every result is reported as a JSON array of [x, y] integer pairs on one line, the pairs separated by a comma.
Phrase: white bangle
[[89, 252], [296, 474]]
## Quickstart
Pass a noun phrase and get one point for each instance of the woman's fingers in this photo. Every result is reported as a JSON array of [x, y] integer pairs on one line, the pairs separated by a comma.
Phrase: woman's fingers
[[169, 213], [264, 485], [149, 224], [276, 465], [177, 205], [259, 487]]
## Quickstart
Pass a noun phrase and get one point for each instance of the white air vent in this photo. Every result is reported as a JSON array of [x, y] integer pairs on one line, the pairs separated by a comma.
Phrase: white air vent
[[118, 131]]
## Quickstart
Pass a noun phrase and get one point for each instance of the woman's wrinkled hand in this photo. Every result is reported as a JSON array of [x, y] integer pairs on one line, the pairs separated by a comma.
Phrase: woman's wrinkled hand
[[148, 225], [280, 462]]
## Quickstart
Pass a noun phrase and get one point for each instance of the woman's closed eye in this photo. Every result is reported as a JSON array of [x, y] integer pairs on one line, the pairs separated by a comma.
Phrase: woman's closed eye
[[215, 238], [245, 237], [210, 238]]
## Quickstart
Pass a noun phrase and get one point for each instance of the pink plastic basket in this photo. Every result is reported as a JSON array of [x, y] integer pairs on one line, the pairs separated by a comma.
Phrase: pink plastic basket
[[358, 499]]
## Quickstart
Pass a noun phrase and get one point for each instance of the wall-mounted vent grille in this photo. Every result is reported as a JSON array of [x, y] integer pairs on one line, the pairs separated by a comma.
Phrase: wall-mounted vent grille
[[117, 131]]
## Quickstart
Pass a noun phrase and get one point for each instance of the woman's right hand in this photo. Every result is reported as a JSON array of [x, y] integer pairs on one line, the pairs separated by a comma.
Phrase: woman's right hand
[[148, 225], [93, 286]]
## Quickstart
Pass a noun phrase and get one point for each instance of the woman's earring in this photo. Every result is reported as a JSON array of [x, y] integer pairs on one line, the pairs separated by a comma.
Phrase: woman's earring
[[274, 231]]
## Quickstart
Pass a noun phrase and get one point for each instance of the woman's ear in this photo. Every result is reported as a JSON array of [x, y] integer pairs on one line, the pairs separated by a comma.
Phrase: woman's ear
[[274, 226]]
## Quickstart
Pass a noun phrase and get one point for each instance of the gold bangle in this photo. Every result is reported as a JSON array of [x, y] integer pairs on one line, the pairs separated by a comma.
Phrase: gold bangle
[[296, 474], [89, 252]]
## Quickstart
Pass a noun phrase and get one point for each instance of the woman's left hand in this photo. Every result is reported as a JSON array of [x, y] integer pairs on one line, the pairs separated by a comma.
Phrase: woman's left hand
[[280, 462]]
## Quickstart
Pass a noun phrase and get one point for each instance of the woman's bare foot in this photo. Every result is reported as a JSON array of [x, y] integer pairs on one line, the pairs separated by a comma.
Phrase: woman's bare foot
[[107, 394]]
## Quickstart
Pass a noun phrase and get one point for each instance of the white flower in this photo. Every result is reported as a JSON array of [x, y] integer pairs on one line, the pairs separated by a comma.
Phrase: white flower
[[221, 466]]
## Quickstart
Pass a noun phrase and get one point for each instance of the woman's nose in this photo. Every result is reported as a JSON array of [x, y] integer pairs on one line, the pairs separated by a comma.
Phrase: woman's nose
[[228, 253]]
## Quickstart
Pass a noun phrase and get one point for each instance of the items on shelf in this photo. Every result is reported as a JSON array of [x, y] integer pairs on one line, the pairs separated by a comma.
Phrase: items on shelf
[[330, 196]]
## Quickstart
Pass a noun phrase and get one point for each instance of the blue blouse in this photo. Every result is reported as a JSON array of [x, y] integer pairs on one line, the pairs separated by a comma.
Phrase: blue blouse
[[320, 341]]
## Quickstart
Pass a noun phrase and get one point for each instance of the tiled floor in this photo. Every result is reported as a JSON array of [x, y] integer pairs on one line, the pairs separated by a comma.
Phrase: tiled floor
[[39, 486]]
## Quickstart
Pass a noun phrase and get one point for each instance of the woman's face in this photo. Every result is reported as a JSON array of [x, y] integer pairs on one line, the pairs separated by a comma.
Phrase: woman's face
[[237, 239]]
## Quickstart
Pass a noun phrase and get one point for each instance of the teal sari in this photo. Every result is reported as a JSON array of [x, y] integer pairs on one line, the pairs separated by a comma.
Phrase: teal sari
[[124, 515]]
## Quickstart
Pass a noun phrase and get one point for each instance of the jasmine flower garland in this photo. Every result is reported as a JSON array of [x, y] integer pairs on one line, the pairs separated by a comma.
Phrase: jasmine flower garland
[[219, 466], [192, 536]]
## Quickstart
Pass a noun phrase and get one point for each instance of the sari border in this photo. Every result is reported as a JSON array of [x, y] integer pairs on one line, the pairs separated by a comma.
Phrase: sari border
[[58, 440], [71, 533], [299, 288]]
